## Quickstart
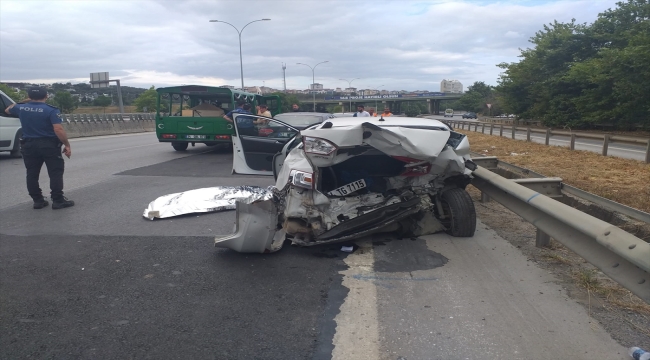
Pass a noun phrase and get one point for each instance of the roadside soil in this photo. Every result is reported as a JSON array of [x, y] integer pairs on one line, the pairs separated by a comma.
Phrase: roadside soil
[[622, 314], [622, 180]]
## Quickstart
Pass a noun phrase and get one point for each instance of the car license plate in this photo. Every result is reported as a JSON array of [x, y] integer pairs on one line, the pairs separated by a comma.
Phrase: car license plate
[[196, 136], [349, 188]]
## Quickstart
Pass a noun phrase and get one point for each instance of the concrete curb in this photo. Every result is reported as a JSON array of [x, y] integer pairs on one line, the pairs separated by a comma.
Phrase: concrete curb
[[86, 125]]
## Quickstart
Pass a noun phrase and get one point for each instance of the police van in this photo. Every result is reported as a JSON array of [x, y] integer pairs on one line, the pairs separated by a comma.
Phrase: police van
[[10, 129]]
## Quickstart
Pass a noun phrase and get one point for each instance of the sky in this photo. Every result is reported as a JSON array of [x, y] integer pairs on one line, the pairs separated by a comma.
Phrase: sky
[[392, 45]]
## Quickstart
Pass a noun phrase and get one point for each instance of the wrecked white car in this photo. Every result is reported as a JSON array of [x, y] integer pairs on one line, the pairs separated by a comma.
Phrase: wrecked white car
[[350, 177]]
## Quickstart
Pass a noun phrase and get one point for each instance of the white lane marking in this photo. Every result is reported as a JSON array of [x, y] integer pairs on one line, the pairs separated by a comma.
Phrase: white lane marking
[[130, 147], [357, 327]]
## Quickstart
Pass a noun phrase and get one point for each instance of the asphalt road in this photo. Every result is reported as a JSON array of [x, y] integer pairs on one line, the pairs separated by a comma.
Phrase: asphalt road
[[623, 150], [98, 281]]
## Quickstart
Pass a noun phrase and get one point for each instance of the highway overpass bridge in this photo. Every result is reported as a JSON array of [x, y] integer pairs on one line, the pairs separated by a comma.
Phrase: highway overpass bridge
[[395, 102]]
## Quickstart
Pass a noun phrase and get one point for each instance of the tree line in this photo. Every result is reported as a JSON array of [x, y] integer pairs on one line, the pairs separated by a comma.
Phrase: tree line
[[579, 75]]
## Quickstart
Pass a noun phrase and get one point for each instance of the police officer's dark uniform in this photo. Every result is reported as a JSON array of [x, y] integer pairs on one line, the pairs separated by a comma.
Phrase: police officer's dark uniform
[[40, 144]]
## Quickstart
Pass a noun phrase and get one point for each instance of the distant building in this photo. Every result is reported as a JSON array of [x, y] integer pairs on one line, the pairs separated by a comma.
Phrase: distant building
[[451, 86], [316, 86], [253, 89]]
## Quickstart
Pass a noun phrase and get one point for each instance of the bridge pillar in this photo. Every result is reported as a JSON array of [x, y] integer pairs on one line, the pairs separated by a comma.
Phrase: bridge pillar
[[436, 107], [430, 106]]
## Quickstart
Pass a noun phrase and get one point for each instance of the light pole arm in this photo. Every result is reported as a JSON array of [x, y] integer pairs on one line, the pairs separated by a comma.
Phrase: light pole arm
[[241, 61], [242, 29], [233, 26]]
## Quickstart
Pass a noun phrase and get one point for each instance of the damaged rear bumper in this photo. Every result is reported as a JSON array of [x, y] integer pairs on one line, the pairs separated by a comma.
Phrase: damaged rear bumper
[[256, 229]]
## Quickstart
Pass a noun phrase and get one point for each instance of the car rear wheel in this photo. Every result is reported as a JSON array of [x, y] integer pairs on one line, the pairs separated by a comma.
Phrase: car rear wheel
[[460, 213], [15, 151], [179, 146]]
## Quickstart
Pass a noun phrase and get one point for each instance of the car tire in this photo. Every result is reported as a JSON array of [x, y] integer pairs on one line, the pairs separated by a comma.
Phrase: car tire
[[15, 151], [179, 146], [458, 205]]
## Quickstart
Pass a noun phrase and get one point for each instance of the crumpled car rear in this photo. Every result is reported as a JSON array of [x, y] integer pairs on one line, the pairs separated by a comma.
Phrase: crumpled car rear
[[340, 183]]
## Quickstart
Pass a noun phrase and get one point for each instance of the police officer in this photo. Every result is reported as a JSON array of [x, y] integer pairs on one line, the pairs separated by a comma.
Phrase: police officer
[[43, 136]]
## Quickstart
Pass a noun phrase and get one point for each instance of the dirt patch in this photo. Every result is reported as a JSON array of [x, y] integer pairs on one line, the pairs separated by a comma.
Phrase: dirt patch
[[622, 314], [621, 180]]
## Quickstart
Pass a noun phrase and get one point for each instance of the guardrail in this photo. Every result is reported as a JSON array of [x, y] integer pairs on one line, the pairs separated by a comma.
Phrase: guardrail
[[107, 117], [620, 255], [606, 138], [82, 125]]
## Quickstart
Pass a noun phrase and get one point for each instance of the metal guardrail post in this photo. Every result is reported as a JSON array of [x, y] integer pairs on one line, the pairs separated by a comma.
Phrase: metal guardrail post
[[528, 133], [605, 144], [548, 136], [485, 198], [491, 128], [476, 127], [542, 239], [482, 128], [514, 128], [647, 153], [572, 145], [501, 130]]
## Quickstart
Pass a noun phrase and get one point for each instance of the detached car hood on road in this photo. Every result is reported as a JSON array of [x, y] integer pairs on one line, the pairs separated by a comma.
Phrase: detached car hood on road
[[343, 179]]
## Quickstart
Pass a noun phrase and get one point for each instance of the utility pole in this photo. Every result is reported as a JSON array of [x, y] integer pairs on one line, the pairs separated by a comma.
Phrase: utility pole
[[349, 86], [284, 76], [313, 79], [241, 61]]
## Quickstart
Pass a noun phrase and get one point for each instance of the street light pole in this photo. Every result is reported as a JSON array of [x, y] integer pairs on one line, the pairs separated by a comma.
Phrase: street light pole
[[313, 80], [377, 90], [349, 86], [241, 62]]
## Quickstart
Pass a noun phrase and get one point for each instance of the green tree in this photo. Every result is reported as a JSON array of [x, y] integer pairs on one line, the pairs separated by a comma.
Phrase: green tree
[[146, 100], [476, 98], [102, 101], [287, 100], [16, 96], [65, 102], [579, 75]]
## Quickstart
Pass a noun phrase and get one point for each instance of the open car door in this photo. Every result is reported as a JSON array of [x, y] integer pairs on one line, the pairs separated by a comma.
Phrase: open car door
[[256, 141]]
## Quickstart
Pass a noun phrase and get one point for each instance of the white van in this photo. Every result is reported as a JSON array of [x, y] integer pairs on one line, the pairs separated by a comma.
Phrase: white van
[[10, 129], [449, 112]]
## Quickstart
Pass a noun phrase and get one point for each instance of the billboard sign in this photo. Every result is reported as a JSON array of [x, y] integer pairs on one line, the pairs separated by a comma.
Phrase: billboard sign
[[379, 97], [99, 80]]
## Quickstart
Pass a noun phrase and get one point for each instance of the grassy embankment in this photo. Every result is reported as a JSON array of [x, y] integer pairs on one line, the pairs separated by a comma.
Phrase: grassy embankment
[[621, 180]]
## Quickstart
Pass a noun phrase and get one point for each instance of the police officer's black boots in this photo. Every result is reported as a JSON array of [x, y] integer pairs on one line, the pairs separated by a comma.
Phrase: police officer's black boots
[[39, 204], [61, 203]]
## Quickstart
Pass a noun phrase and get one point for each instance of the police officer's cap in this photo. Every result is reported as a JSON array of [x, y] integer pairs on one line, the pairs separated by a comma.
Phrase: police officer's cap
[[37, 93]]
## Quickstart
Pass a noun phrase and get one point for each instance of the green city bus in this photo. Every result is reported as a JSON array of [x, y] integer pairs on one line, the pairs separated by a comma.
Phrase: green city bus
[[191, 114]]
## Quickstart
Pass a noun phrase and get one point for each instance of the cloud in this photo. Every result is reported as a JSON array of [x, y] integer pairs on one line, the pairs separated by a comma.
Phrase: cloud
[[402, 44]]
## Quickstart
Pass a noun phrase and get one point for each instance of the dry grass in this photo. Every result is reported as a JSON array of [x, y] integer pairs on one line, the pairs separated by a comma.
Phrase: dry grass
[[100, 110], [621, 180], [557, 258], [612, 293]]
